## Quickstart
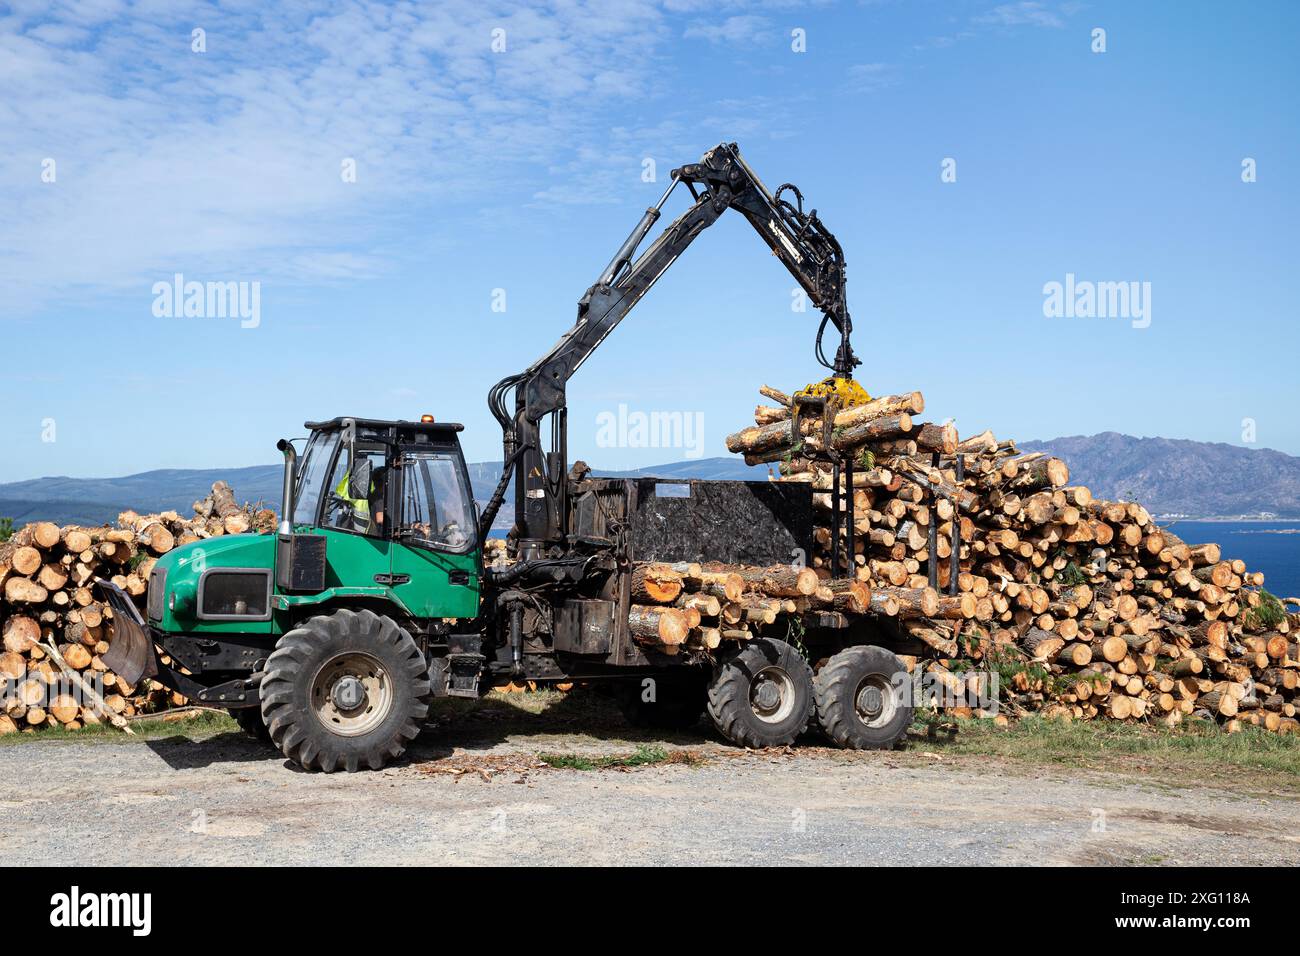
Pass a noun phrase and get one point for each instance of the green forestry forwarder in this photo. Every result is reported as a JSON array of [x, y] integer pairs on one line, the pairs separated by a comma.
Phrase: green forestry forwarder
[[330, 636]]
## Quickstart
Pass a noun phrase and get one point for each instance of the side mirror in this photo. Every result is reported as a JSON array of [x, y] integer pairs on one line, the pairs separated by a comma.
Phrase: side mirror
[[359, 480]]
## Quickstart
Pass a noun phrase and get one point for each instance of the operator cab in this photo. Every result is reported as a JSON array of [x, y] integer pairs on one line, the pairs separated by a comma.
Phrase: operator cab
[[395, 480]]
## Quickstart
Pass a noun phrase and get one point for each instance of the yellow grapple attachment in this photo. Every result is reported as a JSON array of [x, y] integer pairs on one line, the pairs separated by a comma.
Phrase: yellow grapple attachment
[[846, 390]]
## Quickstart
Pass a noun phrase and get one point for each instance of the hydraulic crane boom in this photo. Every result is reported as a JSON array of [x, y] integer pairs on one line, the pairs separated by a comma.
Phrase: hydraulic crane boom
[[719, 181]]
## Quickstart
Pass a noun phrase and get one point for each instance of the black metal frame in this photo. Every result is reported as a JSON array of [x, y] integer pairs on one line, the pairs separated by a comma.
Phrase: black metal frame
[[843, 519], [932, 542]]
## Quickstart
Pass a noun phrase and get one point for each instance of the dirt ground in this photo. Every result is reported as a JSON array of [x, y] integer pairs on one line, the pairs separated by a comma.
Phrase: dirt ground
[[474, 790]]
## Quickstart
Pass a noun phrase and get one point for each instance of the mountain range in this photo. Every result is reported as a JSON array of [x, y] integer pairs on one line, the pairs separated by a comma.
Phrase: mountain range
[[1169, 476], [1177, 476]]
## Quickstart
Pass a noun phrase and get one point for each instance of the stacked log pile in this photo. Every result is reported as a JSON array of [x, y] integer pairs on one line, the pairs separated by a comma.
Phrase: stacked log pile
[[48, 598], [696, 607], [1085, 608]]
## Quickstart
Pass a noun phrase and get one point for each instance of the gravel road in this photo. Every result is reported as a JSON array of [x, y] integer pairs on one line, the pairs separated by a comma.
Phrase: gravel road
[[475, 792]]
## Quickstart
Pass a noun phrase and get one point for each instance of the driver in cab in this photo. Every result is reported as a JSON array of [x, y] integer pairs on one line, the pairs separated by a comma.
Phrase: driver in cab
[[366, 513]]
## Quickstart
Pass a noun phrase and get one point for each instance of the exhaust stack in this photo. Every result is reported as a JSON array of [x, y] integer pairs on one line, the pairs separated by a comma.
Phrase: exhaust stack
[[286, 496]]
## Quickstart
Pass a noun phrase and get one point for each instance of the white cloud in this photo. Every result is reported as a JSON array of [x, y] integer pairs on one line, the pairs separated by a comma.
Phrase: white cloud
[[1023, 13], [869, 77], [228, 162], [740, 30]]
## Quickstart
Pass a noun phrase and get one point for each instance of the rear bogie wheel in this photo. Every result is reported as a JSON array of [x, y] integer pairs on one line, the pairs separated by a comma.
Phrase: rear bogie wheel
[[862, 702], [345, 691], [762, 695]]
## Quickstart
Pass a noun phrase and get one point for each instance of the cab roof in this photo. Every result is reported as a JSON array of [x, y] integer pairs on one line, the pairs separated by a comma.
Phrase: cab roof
[[379, 423]]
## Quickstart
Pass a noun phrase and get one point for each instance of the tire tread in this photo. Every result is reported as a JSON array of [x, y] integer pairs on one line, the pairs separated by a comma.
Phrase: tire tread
[[289, 727], [728, 703], [833, 690]]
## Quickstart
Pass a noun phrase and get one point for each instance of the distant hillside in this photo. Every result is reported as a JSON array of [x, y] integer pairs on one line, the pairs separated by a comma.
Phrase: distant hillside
[[1171, 475], [1166, 475], [94, 501]]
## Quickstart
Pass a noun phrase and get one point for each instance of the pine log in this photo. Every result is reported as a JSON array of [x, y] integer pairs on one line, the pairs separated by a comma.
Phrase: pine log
[[780, 580], [956, 607], [655, 584], [21, 632], [911, 403], [724, 585], [872, 430], [938, 639], [913, 602], [1043, 472], [940, 438], [657, 625], [24, 591]]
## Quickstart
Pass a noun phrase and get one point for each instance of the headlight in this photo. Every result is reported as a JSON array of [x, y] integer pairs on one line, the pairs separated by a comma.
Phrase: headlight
[[235, 593], [180, 599]]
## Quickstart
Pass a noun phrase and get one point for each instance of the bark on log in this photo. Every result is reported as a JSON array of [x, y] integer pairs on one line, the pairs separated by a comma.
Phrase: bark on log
[[780, 580], [655, 584], [913, 602], [940, 438], [657, 625], [724, 585]]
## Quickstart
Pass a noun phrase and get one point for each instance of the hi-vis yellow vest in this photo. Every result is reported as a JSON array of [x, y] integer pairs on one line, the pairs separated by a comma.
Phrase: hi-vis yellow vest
[[360, 506]]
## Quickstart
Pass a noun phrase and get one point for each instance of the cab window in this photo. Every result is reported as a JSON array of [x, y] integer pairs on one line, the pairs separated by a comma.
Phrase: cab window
[[354, 494], [437, 509], [315, 464]]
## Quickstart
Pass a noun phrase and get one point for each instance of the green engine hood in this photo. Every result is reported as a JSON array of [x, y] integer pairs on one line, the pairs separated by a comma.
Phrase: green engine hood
[[184, 566]]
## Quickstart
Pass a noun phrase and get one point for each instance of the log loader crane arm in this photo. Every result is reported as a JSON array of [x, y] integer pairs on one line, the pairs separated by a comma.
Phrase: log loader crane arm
[[719, 181]]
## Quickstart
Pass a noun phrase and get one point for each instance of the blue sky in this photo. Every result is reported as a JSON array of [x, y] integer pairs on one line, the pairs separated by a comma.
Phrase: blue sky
[[522, 170]]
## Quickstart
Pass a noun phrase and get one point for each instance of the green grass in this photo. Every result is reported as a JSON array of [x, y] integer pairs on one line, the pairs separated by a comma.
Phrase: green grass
[[1192, 751], [641, 757], [201, 724]]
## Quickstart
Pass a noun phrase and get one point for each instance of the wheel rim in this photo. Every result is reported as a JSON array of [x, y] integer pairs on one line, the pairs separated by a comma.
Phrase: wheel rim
[[352, 694], [874, 701], [772, 695]]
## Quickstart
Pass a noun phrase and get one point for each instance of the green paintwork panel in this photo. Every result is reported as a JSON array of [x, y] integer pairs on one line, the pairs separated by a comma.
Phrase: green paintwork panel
[[186, 564], [353, 560], [430, 592], [357, 566]]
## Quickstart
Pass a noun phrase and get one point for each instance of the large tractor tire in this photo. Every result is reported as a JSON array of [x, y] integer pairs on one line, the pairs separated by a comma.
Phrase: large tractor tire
[[859, 706], [762, 696], [345, 691], [678, 701]]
